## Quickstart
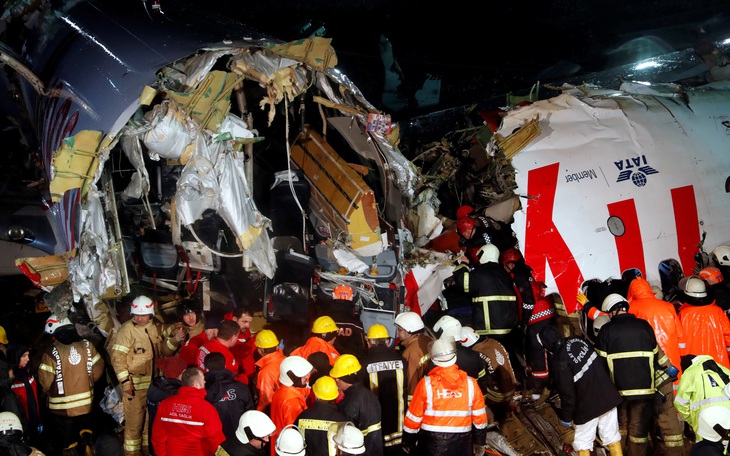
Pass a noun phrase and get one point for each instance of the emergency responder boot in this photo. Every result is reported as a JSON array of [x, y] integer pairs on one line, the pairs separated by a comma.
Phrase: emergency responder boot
[[86, 442], [614, 449]]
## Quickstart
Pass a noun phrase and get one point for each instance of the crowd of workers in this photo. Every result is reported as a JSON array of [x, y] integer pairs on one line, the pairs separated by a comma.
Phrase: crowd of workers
[[207, 385]]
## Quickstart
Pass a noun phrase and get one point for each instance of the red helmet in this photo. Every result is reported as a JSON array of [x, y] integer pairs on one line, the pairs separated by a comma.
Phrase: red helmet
[[342, 292], [711, 275], [465, 224], [510, 255], [463, 211]]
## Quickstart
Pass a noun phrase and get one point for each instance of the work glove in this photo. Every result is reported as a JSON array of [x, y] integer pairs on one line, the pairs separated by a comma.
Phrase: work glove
[[581, 299], [672, 372], [478, 450], [128, 387], [565, 423]]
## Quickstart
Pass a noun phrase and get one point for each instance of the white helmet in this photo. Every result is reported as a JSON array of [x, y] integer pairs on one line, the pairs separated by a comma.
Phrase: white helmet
[[713, 419], [53, 323], [348, 438], [721, 255], [598, 323], [409, 321], [443, 351], [469, 336], [254, 425], [695, 287], [489, 253], [448, 326], [290, 442], [10, 424], [142, 305], [293, 366], [613, 300]]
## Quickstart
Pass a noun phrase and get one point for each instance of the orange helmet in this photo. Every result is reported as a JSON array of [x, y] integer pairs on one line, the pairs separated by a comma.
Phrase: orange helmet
[[711, 275], [510, 256], [465, 224], [463, 211], [342, 292]]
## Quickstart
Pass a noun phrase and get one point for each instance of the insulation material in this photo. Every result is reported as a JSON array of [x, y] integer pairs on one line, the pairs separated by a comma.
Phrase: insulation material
[[316, 52], [170, 131], [210, 102], [74, 164], [46, 271], [341, 196]]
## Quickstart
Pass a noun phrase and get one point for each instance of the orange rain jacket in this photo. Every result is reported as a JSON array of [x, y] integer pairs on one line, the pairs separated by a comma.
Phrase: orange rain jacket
[[267, 381], [316, 344], [286, 405], [707, 331]]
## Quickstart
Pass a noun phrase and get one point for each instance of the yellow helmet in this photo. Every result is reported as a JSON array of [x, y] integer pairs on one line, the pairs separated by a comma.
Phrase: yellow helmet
[[323, 325], [345, 365], [325, 388], [266, 339], [377, 331]]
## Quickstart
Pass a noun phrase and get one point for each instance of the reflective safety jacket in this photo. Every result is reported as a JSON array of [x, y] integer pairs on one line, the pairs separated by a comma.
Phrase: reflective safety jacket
[[500, 376], [662, 317], [286, 405], [314, 423], [317, 344], [701, 386], [532, 303], [267, 379], [707, 331], [134, 351], [67, 374], [447, 402], [629, 347], [416, 356], [361, 407], [494, 302], [387, 380]]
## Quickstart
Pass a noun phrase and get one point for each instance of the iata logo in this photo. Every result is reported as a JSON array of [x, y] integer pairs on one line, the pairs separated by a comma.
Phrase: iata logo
[[635, 169]]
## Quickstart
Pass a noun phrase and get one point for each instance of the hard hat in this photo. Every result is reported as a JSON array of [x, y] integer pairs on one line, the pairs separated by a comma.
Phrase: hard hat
[[448, 326], [53, 323], [511, 255], [185, 307], [3, 336], [613, 300], [290, 442], [443, 351], [324, 325], [325, 388], [254, 425], [342, 291], [713, 423], [142, 305], [266, 339], [349, 438], [468, 337], [598, 323], [711, 275], [465, 224], [721, 255], [378, 331], [409, 321], [463, 211], [10, 424], [695, 287], [345, 365], [293, 365], [488, 253]]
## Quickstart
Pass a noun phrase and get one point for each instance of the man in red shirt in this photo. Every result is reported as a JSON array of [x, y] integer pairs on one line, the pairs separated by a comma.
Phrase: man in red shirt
[[245, 346], [222, 343]]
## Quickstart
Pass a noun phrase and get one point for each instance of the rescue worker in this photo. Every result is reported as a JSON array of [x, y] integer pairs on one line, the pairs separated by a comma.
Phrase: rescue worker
[[25, 386], [188, 325], [360, 405], [720, 258], [186, 424], [706, 326], [9, 402], [714, 428], [466, 359], [291, 397], [701, 386], [717, 287], [472, 237], [588, 397], [387, 380], [536, 312], [267, 377], [410, 330], [350, 335], [629, 347], [290, 442], [447, 416], [230, 397], [252, 436], [316, 420], [500, 377], [322, 339], [11, 437], [225, 339], [245, 345], [347, 439], [67, 373], [669, 335], [134, 349], [189, 348]]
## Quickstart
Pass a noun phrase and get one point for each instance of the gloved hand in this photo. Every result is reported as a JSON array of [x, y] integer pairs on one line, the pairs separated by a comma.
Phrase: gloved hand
[[581, 299], [128, 387], [565, 423], [478, 450], [672, 372]]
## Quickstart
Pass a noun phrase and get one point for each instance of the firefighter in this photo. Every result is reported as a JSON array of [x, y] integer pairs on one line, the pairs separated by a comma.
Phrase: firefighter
[[447, 416], [466, 359], [322, 339], [702, 385], [267, 378], [414, 341], [714, 428], [316, 420], [134, 349], [11, 437], [472, 237], [347, 439], [291, 398], [350, 333], [290, 442], [252, 436], [188, 325], [359, 404], [67, 374], [717, 287], [628, 345], [386, 378]]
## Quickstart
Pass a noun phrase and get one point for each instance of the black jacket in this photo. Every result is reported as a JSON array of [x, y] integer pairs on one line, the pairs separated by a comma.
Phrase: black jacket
[[234, 447], [582, 381], [160, 388], [494, 301], [386, 371], [361, 407], [707, 448], [314, 423], [230, 397]]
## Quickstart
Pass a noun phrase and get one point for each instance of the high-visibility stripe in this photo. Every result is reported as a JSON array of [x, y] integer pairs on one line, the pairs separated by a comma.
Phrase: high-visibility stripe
[[95, 359], [121, 375], [494, 298], [66, 405], [424, 359], [120, 348], [447, 413], [414, 418], [450, 429], [466, 282], [633, 439], [132, 444], [47, 368], [710, 400], [71, 397], [372, 428], [175, 420], [315, 425], [578, 375], [674, 440]]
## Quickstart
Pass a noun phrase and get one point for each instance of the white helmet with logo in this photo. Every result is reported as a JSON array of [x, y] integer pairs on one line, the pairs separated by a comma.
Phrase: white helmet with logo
[[254, 425], [10, 424], [469, 336], [142, 305], [448, 326], [290, 442], [488, 253], [53, 323], [409, 321]]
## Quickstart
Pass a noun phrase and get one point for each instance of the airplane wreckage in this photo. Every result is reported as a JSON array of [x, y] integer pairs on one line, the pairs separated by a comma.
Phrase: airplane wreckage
[[245, 170]]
